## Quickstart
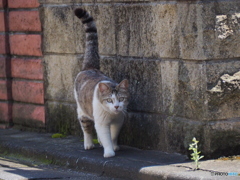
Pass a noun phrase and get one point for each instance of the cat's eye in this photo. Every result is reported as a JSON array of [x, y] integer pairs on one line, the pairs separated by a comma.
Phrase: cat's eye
[[121, 99], [109, 100]]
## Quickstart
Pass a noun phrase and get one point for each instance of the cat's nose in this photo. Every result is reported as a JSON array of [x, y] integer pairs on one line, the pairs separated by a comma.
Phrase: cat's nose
[[116, 107]]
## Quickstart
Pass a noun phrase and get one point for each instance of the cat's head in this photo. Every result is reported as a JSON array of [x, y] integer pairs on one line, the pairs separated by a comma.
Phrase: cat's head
[[114, 97]]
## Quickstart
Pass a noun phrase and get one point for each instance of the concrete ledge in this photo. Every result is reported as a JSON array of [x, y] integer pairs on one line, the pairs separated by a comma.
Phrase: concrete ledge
[[129, 163]]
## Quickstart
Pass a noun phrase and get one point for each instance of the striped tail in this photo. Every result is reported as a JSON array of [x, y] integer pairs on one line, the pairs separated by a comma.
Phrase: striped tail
[[91, 56]]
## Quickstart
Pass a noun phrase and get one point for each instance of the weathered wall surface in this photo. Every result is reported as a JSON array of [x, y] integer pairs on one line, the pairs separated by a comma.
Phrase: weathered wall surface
[[182, 60]]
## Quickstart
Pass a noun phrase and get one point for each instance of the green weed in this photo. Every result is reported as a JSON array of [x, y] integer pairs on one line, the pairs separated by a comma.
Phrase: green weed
[[195, 155]]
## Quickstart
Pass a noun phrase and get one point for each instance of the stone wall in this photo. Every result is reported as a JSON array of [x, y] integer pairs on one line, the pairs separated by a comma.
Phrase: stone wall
[[182, 59], [175, 54]]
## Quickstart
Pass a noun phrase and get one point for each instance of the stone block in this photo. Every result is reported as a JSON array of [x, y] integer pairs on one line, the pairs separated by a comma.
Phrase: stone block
[[209, 30], [170, 88], [118, 32], [23, 3], [180, 132], [145, 81], [174, 134], [60, 71], [24, 21], [58, 31], [215, 69], [191, 96], [29, 45], [28, 91], [182, 89], [224, 131], [105, 22], [223, 94], [29, 115], [62, 118], [165, 33], [192, 90], [79, 33], [147, 30], [197, 90], [144, 130], [27, 68]]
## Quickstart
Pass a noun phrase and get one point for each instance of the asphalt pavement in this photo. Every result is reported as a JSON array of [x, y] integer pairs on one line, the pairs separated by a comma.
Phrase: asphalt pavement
[[18, 169]]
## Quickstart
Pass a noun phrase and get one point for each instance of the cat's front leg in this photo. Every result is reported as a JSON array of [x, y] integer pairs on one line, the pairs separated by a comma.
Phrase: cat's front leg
[[103, 132], [99, 141], [115, 129]]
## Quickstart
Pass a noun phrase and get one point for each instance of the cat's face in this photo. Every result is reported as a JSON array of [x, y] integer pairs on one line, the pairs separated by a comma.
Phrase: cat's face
[[114, 99]]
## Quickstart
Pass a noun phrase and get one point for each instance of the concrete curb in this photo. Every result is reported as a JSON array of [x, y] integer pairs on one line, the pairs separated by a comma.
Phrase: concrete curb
[[129, 163]]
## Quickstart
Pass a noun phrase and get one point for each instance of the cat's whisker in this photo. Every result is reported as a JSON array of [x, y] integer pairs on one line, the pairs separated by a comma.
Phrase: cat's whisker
[[124, 112]]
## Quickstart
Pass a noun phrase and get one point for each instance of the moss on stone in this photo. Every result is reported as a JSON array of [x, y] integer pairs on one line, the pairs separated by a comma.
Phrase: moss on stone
[[62, 118], [95, 141], [30, 161], [58, 135]]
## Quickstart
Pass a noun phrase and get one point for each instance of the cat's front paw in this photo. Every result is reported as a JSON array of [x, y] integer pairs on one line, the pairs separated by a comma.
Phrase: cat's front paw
[[109, 154], [88, 146]]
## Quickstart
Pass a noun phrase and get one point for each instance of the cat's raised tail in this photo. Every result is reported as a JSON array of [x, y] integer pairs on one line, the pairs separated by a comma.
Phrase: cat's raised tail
[[91, 56]]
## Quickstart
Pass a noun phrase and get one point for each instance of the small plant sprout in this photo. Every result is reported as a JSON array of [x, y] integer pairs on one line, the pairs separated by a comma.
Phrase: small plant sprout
[[195, 155]]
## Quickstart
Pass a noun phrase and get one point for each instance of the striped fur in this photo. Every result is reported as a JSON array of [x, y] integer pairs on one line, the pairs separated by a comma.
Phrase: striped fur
[[91, 57]]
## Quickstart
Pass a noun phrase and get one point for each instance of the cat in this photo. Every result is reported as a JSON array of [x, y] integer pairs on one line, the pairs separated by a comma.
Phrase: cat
[[101, 102]]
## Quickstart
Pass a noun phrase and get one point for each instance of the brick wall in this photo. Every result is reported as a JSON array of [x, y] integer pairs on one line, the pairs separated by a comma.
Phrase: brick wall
[[21, 70]]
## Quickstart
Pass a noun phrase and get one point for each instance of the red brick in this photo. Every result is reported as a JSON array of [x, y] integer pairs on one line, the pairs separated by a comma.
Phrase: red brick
[[5, 111], [2, 22], [4, 126], [27, 91], [3, 44], [2, 3], [24, 21], [27, 68], [26, 45], [28, 114], [5, 89], [23, 3], [3, 67]]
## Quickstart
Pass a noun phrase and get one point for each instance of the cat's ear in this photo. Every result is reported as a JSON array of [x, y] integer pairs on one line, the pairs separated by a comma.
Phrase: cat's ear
[[103, 87], [123, 84]]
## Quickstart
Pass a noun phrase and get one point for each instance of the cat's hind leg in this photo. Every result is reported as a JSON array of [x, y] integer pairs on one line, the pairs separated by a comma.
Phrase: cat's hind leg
[[87, 127]]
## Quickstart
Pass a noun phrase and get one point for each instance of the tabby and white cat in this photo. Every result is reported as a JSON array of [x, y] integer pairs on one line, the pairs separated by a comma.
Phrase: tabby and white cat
[[101, 102]]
